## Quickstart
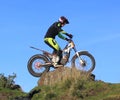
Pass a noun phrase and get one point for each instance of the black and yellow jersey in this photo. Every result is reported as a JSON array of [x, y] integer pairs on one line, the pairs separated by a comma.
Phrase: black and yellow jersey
[[55, 29]]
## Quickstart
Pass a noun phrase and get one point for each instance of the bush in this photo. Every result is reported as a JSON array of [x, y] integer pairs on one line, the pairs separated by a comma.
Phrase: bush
[[7, 82]]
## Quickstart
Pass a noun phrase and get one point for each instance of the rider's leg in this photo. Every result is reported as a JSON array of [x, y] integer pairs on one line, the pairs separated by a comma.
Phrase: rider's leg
[[54, 45], [59, 53]]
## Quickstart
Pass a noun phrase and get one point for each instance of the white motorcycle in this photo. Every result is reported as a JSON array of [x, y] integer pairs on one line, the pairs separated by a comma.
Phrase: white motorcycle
[[41, 63]]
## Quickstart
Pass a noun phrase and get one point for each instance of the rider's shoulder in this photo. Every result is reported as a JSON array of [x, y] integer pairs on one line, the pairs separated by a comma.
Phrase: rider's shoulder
[[56, 24]]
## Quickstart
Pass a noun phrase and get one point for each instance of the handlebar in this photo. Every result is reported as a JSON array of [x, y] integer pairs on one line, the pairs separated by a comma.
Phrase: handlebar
[[69, 39]]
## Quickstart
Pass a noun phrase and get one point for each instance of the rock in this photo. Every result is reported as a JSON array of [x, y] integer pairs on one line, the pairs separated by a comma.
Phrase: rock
[[62, 74]]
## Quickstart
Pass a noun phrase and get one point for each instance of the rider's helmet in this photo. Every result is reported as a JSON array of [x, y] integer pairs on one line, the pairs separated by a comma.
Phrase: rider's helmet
[[63, 20]]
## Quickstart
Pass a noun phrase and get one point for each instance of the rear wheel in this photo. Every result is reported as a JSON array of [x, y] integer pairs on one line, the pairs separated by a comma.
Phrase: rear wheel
[[35, 65], [84, 62]]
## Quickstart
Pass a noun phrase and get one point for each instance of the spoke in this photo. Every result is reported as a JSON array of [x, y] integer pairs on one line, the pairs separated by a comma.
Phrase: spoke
[[85, 63], [37, 65]]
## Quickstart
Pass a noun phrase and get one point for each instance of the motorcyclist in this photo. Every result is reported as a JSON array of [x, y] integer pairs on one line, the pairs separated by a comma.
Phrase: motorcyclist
[[56, 30]]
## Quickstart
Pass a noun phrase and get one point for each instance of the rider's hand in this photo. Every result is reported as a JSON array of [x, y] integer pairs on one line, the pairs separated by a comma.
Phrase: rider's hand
[[69, 35], [67, 39]]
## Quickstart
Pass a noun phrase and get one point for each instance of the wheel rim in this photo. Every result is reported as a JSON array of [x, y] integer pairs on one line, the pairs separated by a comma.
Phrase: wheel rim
[[37, 65], [87, 63]]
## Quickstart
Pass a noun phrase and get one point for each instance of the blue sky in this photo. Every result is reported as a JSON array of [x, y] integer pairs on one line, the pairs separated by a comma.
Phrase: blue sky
[[95, 25]]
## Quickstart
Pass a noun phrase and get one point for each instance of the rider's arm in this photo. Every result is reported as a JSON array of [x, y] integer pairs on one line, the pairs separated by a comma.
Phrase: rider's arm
[[61, 36], [69, 35], [63, 32]]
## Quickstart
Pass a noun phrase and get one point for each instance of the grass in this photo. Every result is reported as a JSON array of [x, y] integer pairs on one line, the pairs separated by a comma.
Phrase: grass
[[9, 94], [79, 90], [77, 86]]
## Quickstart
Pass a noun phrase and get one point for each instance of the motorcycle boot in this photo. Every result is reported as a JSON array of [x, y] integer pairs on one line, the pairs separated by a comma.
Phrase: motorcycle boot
[[57, 59]]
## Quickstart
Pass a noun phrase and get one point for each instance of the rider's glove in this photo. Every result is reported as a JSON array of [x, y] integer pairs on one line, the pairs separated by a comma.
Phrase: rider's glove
[[67, 39], [69, 35]]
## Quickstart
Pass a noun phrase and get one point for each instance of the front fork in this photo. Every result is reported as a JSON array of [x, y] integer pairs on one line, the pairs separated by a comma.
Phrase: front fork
[[82, 62]]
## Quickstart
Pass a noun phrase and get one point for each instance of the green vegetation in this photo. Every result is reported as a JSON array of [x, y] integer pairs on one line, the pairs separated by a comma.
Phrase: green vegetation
[[79, 89], [8, 88], [83, 88], [7, 82]]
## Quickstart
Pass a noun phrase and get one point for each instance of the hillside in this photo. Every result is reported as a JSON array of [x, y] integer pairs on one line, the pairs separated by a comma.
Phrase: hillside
[[66, 84]]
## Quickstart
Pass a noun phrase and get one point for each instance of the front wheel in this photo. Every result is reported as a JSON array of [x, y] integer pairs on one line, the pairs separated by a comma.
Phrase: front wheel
[[83, 61], [35, 65]]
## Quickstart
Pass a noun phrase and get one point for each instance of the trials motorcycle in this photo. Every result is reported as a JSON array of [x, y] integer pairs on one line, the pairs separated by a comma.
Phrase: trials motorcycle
[[41, 63]]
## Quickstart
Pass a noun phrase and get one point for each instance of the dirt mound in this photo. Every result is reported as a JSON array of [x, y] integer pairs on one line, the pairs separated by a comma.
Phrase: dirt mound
[[62, 74]]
